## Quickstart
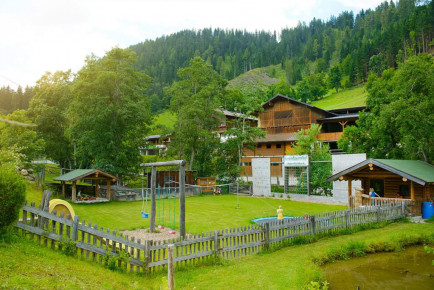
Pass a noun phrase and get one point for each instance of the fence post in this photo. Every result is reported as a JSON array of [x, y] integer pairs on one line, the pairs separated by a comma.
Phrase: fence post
[[75, 228], [347, 219], [267, 236], [378, 214], [312, 224], [147, 255], [171, 266], [216, 243]]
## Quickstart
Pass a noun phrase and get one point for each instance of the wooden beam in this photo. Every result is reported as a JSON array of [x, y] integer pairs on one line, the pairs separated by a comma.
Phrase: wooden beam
[[96, 188], [63, 189], [182, 201], [74, 191], [153, 203], [349, 188], [109, 192], [412, 191], [164, 163]]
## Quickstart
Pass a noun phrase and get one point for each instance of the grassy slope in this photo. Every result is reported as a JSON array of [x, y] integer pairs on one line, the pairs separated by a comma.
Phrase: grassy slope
[[258, 78], [27, 265], [352, 97]]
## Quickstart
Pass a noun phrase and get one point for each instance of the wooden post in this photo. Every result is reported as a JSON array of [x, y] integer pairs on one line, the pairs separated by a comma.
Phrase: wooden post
[[109, 193], [350, 201], [74, 191], [216, 244], [267, 236], [412, 191], [153, 203], [378, 214], [312, 225], [75, 228], [171, 266], [63, 189], [413, 199], [347, 219], [182, 201], [96, 188]]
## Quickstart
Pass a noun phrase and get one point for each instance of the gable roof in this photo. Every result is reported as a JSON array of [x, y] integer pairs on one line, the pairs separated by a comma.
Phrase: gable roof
[[414, 170], [82, 173], [279, 96]]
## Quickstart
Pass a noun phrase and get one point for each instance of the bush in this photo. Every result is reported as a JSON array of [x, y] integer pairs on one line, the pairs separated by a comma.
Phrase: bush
[[12, 196]]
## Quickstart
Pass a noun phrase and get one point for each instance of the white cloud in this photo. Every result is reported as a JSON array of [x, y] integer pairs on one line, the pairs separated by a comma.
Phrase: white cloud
[[50, 35]]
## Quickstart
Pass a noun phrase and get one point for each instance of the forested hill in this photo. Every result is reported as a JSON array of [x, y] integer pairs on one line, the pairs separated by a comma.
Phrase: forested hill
[[369, 41]]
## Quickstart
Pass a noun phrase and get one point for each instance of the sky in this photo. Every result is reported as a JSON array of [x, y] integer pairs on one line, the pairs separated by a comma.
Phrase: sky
[[37, 36]]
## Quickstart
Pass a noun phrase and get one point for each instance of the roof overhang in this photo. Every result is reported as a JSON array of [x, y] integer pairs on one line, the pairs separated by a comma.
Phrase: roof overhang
[[372, 161]]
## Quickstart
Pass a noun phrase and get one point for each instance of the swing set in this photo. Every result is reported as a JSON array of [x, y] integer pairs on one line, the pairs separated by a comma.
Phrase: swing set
[[163, 194]]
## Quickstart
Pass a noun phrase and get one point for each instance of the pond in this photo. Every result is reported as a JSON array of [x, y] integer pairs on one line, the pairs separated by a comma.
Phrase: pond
[[409, 269]]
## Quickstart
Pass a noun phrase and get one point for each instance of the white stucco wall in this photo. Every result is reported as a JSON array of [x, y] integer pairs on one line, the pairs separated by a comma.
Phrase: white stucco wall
[[340, 163]]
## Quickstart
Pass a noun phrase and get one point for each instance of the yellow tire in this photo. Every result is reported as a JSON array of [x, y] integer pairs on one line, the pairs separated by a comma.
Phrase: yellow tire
[[61, 206]]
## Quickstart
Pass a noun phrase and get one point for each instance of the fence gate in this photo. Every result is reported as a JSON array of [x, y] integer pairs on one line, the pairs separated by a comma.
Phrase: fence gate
[[296, 174]]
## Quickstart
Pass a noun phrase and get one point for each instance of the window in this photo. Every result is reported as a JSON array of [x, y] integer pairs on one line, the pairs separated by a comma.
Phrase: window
[[247, 164], [275, 164], [278, 145], [259, 146], [268, 146], [404, 190]]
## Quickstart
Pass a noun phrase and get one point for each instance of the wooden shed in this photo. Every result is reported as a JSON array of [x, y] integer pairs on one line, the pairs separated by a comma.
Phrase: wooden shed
[[170, 178], [88, 174], [391, 178]]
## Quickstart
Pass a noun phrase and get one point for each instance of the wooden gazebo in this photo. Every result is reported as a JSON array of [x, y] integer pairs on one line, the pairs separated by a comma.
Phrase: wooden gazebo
[[88, 174], [390, 178]]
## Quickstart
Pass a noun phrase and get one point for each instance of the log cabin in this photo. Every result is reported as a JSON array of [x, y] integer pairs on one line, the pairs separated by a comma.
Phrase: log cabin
[[390, 178]]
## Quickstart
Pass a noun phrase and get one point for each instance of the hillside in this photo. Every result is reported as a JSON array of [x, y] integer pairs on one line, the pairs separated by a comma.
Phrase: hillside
[[353, 97], [258, 79], [368, 41]]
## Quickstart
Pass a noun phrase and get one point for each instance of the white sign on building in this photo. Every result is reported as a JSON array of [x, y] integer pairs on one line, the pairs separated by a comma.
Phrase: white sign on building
[[295, 160]]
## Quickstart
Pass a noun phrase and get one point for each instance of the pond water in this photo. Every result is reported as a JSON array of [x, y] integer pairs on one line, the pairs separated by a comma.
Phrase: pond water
[[409, 269]]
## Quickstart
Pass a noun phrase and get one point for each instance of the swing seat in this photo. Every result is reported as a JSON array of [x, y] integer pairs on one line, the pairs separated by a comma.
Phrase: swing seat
[[172, 232], [160, 227], [145, 215]]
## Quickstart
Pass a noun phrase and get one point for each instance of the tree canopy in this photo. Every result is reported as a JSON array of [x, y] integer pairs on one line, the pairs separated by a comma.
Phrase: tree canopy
[[109, 112], [400, 121]]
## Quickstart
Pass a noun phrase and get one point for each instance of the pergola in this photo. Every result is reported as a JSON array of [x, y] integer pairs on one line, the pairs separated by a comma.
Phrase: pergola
[[88, 174]]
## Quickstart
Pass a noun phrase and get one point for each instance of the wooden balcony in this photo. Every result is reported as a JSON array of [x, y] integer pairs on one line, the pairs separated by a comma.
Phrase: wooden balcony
[[329, 136]]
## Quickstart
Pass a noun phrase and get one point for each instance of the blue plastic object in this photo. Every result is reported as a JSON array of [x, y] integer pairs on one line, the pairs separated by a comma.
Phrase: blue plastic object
[[427, 210], [145, 215]]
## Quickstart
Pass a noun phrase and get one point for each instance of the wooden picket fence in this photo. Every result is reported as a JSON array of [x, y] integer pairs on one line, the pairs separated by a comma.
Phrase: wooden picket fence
[[148, 256]]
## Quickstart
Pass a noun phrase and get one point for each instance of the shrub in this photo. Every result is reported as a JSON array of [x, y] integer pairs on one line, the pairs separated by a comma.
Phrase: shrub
[[12, 196]]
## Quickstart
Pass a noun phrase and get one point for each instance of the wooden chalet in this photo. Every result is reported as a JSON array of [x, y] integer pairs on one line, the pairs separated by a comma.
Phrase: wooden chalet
[[282, 117], [155, 144], [93, 175], [227, 117], [392, 179]]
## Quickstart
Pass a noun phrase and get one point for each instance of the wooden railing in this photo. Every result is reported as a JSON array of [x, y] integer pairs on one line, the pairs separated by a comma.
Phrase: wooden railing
[[149, 256], [384, 201], [329, 136]]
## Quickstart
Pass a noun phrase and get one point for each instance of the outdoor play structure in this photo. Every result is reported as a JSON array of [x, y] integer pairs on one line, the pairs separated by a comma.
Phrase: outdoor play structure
[[153, 214]]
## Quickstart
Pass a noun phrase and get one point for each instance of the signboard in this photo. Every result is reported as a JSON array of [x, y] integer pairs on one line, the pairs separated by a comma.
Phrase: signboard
[[261, 176], [295, 160]]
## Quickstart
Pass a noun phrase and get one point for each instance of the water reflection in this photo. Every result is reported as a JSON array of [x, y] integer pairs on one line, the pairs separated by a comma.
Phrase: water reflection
[[409, 269]]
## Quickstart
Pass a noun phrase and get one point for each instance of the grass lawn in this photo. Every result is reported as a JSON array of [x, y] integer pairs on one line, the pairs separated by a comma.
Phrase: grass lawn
[[352, 97], [203, 213], [27, 265]]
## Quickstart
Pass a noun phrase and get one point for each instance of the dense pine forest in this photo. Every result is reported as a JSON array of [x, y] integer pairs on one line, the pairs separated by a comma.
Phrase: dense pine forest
[[369, 41]]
